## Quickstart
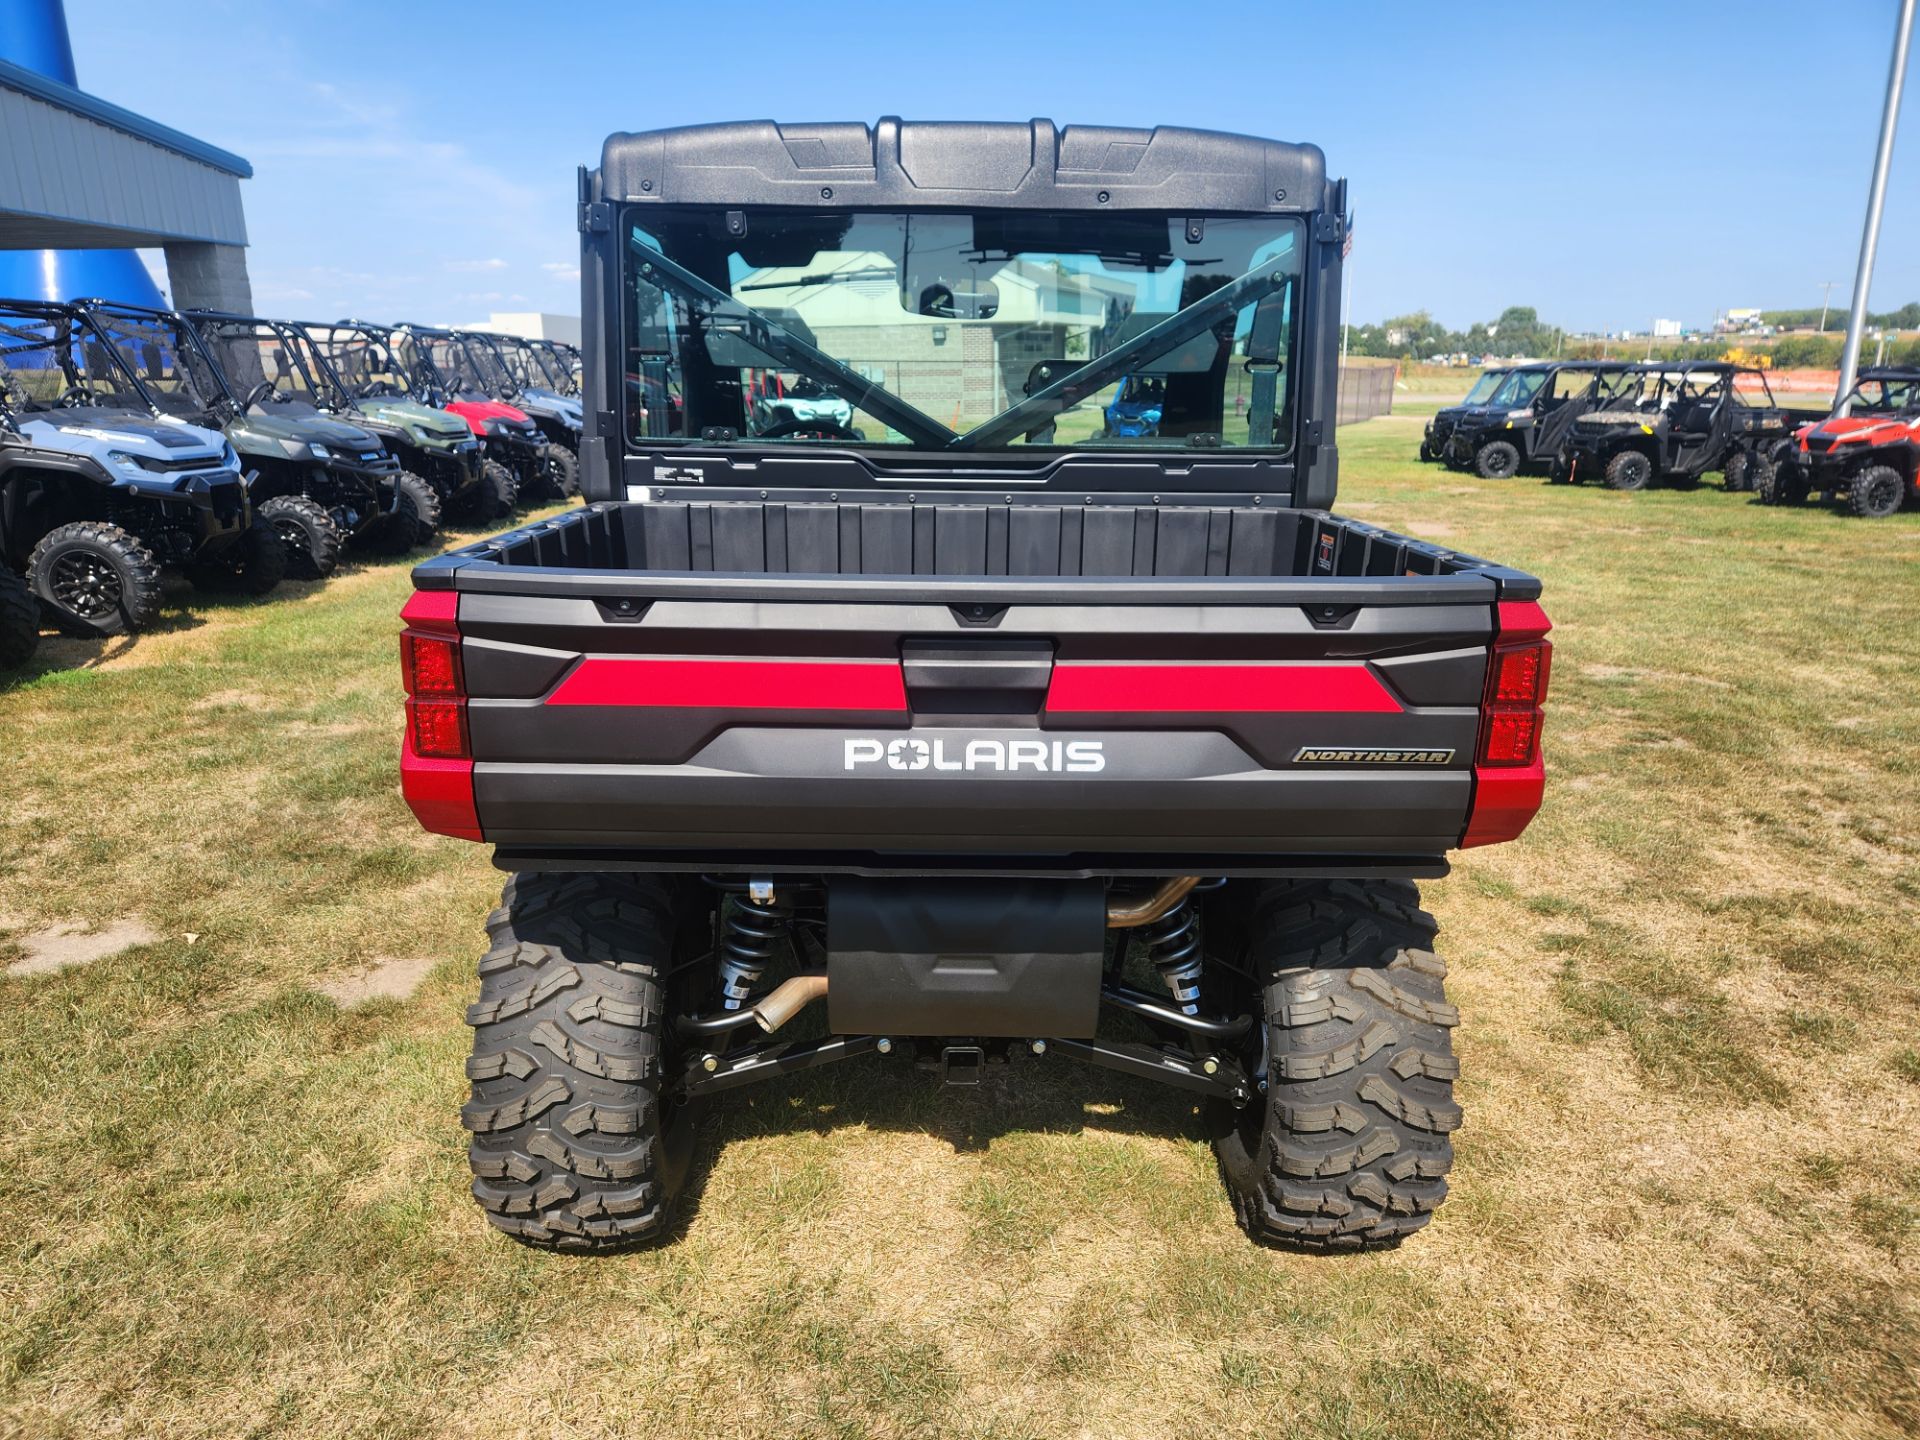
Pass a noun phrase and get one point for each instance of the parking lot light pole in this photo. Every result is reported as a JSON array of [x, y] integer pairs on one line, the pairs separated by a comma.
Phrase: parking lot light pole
[[1876, 201]]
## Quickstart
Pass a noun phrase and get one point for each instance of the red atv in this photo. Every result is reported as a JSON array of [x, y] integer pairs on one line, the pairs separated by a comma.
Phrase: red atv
[[1868, 452]]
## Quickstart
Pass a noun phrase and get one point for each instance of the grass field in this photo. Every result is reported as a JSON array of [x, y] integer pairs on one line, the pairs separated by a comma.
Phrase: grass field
[[233, 1186]]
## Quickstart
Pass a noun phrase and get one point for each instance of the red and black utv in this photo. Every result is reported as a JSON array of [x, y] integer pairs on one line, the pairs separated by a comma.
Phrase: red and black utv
[[956, 729], [1865, 455]]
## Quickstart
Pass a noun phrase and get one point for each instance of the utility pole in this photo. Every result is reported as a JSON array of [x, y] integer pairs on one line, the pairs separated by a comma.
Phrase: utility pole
[[1876, 202], [1826, 297]]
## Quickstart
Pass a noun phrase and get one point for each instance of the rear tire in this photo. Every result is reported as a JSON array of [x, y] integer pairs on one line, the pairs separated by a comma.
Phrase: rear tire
[[1629, 470], [307, 531], [19, 621], [252, 565], [576, 1145], [1497, 460], [1736, 474], [1876, 492], [94, 580], [1348, 1148]]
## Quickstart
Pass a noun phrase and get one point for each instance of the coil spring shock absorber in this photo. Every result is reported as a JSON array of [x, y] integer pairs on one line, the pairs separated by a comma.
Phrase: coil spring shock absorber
[[1173, 945], [754, 930]]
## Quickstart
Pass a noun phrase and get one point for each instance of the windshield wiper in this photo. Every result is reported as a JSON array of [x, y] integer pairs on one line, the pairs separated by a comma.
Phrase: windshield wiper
[[773, 339], [832, 277], [1171, 333]]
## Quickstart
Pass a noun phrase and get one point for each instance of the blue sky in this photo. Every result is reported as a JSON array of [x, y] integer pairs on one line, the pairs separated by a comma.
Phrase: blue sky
[[1604, 163]]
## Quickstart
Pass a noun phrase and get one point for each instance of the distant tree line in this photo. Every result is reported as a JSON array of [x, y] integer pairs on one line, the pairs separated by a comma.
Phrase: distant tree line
[[1788, 352], [1519, 331], [1907, 317]]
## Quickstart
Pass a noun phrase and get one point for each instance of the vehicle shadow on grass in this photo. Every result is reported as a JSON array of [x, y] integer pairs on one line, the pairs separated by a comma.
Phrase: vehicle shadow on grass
[[184, 611], [1028, 1096]]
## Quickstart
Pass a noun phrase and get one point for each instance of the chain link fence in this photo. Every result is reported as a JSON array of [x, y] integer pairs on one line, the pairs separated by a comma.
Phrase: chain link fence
[[1366, 391]]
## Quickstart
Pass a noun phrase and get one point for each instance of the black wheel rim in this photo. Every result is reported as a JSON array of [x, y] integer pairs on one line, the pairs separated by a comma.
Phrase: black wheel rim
[[1883, 496], [86, 585], [292, 534]]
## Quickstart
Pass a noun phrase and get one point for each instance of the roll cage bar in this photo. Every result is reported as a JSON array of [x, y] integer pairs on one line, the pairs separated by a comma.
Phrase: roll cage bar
[[301, 349]]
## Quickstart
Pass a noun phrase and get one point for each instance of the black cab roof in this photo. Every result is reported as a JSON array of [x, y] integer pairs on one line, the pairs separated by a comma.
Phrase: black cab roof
[[912, 164]]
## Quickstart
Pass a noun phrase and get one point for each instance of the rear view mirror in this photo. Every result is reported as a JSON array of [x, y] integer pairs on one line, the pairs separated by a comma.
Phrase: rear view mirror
[[946, 275], [981, 301]]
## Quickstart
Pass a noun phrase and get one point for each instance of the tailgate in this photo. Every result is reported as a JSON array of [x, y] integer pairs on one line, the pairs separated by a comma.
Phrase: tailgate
[[872, 722]]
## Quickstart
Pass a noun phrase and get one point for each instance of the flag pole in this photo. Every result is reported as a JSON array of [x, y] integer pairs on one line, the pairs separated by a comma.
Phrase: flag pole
[[1876, 201]]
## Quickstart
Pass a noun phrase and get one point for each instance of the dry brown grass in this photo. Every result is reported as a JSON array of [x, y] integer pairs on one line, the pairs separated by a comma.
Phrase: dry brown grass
[[1685, 1202]]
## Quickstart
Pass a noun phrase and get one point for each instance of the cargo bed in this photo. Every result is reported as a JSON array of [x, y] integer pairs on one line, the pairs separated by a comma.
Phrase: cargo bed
[[1043, 688]]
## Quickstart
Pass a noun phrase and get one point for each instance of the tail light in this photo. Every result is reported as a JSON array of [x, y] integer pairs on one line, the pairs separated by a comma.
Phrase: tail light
[[436, 696], [1516, 687], [1509, 776], [436, 761]]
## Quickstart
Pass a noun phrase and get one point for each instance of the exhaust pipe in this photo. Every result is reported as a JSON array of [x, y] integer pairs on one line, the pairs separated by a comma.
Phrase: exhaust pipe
[[788, 999], [1127, 915]]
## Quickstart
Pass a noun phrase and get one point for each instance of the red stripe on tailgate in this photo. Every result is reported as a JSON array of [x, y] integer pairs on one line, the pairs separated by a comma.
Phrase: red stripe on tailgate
[[1088, 689], [735, 684]]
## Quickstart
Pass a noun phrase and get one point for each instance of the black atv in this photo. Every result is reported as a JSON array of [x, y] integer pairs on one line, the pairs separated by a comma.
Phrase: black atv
[[1675, 423], [1528, 417], [1433, 444], [102, 484], [341, 464]]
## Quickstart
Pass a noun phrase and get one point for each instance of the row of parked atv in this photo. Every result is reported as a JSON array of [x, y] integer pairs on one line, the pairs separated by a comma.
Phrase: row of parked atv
[[242, 450], [1631, 426]]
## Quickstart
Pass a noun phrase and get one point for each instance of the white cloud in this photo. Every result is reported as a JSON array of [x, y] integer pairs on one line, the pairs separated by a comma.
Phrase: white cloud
[[470, 267], [562, 270]]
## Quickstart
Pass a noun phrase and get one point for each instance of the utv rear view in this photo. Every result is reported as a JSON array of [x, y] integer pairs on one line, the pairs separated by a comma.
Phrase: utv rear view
[[951, 729]]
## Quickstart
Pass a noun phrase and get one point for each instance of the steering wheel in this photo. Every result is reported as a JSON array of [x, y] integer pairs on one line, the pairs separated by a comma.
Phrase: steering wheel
[[812, 429], [78, 398], [380, 389], [263, 391]]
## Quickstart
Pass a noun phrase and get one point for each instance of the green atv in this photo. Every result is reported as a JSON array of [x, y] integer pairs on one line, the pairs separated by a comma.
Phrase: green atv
[[364, 374]]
